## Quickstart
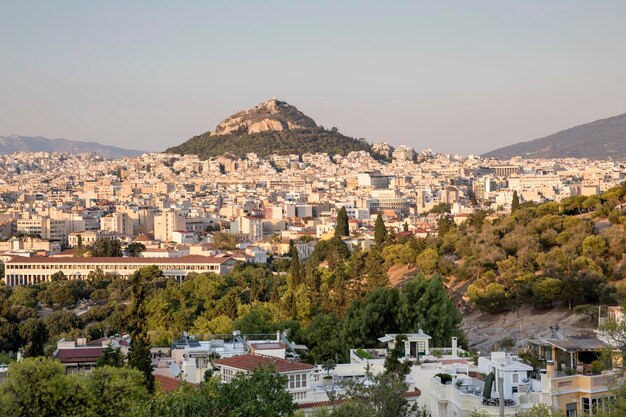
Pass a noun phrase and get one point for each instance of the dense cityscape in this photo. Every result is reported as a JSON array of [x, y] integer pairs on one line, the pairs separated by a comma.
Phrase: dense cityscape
[[312, 209], [300, 243]]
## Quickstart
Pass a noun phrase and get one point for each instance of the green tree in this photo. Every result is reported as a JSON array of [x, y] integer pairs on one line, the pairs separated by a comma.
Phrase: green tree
[[491, 298], [427, 261], [135, 248], [103, 247], [225, 241], [34, 333], [113, 391], [259, 393], [294, 279], [546, 291], [515, 202], [380, 231], [393, 364], [441, 208], [542, 410], [365, 321], [375, 270], [426, 304], [9, 340], [186, 401], [60, 321], [111, 357], [322, 338], [343, 227], [58, 276], [38, 387], [444, 225], [383, 395], [139, 356]]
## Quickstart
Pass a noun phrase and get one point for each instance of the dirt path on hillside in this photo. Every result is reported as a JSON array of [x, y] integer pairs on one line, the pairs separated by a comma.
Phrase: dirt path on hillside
[[484, 331]]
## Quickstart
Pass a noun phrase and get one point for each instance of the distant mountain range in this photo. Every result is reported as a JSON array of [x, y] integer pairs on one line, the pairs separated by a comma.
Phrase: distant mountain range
[[11, 144], [271, 127], [602, 139]]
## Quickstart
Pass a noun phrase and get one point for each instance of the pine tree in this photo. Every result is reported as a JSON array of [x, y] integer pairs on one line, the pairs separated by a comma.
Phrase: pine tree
[[515, 202], [380, 231], [139, 356], [111, 357], [342, 228]]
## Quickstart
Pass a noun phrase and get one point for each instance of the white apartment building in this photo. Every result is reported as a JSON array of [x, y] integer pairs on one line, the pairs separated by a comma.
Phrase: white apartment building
[[298, 374], [247, 227], [166, 223], [117, 223], [45, 227], [87, 238]]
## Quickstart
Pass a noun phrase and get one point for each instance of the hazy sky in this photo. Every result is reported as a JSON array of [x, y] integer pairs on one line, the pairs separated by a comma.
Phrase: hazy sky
[[463, 76]]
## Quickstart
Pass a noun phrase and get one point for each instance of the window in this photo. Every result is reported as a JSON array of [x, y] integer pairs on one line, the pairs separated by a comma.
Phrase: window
[[297, 381], [227, 374], [299, 395], [515, 378], [598, 404], [585, 405]]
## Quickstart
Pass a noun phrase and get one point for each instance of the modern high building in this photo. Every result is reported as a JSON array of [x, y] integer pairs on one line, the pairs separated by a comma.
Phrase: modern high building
[[117, 223], [166, 223]]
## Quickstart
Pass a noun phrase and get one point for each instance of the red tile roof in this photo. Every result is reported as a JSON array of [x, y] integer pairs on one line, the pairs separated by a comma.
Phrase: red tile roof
[[78, 355], [166, 383], [252, 361]]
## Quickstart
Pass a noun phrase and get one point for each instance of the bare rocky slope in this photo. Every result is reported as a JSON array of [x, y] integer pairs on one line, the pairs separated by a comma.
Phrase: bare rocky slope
[[272, 115]]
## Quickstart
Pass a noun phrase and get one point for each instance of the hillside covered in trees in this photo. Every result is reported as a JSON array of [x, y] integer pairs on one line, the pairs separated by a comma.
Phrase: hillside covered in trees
[[272, 127], [569, 253], [283, 142]]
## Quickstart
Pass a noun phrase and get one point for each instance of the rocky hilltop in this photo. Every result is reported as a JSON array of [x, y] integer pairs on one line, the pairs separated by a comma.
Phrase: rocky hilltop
[[602, 139], [272, 115], [272, 127]]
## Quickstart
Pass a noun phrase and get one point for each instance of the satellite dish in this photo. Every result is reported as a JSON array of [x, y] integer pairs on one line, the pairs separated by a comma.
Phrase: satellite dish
[[175, 370]]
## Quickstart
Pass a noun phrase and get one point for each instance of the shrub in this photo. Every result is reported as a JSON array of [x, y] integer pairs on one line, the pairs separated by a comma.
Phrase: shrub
[[445, 378]]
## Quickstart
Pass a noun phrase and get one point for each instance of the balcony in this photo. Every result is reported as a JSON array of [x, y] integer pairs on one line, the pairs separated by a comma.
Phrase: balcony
[[583, 383]]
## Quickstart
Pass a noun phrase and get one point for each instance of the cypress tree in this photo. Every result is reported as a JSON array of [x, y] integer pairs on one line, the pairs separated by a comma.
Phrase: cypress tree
[[380, 231], [375, 270], [294, 270], [342, 228], [515, 202], [139, 356]]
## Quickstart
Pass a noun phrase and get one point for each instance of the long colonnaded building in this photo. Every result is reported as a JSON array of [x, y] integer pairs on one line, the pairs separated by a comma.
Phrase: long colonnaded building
[[21, 270]]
